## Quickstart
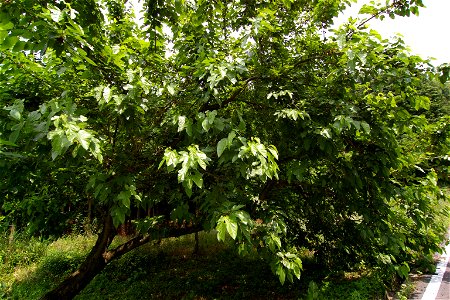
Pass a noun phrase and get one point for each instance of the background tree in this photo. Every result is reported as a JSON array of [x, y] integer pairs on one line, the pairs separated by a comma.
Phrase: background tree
[[236, 115]]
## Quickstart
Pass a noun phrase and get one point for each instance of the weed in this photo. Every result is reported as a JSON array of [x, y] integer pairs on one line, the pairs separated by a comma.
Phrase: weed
[[20, 252], [358, 286], [29, 266], [406, 289]]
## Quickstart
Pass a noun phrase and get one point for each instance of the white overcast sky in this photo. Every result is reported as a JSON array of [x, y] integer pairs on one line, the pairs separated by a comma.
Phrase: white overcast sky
[[428, 34]]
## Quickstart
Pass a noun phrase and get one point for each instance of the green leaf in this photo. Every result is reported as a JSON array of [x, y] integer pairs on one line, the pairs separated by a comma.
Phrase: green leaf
[[232, 227], [15, 114], [350, 54], [19, 46], [368, 9], [107, 94], [351, 65], [403, 270], [376, 34], [3, 35], [189, 127], [211, 116], [84, 138], [281, 274], [60, 142], [6, 25], [366, 127], [221, 230], [7, 143], [326, 132], [171, 89], [124, 198], [243, 216], [221, 146], [219, 124], [188, 187], [90, 61], [15, 134], [201, 163], [181, 123], [55, 14], [276, 239], [313, 291], [273, 150], [170, 158], [205, 125], [296, 271], [198, 179], [9, 42], [118, 215], [231, 136], [60, 71]]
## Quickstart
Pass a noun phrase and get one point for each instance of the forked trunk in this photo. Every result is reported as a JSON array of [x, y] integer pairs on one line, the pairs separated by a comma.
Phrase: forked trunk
[[100, 256], [95, 262]]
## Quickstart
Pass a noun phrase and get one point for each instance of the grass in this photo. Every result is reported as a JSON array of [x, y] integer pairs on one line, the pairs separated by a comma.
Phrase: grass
[[360, 287], [169, 270], [29, 267], [406, 289]]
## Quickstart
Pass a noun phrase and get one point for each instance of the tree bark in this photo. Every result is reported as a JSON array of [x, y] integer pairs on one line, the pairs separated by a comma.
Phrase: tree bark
[[100, 256], [196, 245], [93, 265]]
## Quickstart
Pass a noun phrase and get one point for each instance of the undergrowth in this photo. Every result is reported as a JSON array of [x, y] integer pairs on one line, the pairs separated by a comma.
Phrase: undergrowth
[[168, 270], [29, 267]]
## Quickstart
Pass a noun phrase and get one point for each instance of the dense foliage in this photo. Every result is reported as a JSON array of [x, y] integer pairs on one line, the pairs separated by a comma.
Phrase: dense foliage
[[248, 117]]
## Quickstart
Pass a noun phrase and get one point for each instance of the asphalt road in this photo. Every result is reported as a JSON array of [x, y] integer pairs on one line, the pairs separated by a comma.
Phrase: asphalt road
[[436, 286]]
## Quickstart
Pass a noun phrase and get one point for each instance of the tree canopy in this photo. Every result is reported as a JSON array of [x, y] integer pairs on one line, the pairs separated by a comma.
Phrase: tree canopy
[[247, 117]]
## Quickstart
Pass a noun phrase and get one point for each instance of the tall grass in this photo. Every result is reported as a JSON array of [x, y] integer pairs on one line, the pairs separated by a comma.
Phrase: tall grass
[[30, 266]]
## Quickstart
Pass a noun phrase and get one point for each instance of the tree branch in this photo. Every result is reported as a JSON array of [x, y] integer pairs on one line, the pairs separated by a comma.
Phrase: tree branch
[[380, 12], [170, 231], [230, 99]]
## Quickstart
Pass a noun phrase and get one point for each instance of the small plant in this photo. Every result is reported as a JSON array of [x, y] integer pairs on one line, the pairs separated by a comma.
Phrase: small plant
[[406, 289], [21, 251], [313, 291]]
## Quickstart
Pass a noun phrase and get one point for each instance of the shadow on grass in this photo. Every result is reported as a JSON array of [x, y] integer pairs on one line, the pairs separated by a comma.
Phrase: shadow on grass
[[171, 271], [166, 271], [33, 282], [214, 273]]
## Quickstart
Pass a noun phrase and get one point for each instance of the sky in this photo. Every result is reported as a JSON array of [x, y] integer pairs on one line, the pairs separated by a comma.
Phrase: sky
[[427, 34]]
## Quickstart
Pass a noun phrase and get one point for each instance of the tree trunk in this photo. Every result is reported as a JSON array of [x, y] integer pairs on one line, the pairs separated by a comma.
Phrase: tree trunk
[[100, 256], [196, 247], [95, 262]]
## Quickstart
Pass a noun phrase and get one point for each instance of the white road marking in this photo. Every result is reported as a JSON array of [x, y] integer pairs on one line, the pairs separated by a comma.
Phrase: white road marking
[[436, 280]]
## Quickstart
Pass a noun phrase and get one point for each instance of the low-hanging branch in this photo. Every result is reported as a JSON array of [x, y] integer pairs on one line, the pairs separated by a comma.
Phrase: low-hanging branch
[[142, 239]]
